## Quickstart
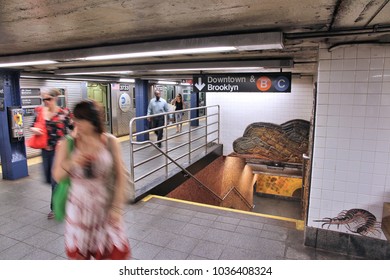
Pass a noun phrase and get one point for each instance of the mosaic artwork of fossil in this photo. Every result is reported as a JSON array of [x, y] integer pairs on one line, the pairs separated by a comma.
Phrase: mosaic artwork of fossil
[[358, 221], [283, 143]]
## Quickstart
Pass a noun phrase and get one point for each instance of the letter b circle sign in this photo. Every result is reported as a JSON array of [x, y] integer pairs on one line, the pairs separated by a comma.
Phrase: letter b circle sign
[[263, 83]]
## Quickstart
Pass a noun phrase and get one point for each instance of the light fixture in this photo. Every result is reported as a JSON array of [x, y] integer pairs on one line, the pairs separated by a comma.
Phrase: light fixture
[[97, 72], [166, 83], [88, 79], [27, 63], [27, 75], [161, 53], [211, 69], [124, 80]]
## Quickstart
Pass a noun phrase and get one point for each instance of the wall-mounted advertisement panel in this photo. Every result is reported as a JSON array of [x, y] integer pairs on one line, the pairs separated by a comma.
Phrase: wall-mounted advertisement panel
[[31, 98], [246, 82]]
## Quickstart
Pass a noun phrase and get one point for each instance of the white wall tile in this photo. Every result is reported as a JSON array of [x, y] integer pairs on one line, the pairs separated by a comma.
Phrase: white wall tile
[[348, 76], [372, 111], [349, 64], [377, 63], [337, 65], [335, 76], [361, 76], [363, 64], [334, 99], [374, 99], [375, 76], [333, 121], [324, 65], [370, 133], [374, 88], [386, 88], [350, 52], [361, 101], [387, 52], [361, 88], [337, 54], [324, 76], [386, 75], [367, 167], [364, 51], [378, 51], [383, 146], [380, 168], [379, 179], [348, 87], [387, 63]]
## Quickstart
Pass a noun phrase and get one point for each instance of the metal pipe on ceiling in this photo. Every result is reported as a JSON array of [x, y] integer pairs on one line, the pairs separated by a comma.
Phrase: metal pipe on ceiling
[[337, 33]]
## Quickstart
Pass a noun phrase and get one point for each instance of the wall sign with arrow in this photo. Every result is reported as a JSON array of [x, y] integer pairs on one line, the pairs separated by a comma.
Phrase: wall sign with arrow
[[247, 82]]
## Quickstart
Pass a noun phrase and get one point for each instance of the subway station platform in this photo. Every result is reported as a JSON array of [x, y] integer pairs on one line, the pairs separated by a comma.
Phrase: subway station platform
[[157, 227]]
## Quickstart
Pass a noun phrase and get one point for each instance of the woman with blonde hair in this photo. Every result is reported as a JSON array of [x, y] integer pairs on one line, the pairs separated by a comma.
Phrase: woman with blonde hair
[[94, 227], [57, 122]]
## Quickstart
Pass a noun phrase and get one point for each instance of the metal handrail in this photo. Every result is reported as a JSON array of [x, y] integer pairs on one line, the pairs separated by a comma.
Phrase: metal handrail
[[210, 122], [171, 159]]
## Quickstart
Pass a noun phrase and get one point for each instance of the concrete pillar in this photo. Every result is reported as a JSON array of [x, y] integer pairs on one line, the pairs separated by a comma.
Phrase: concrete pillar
[[194, 104], [141, 107], [12, 150]]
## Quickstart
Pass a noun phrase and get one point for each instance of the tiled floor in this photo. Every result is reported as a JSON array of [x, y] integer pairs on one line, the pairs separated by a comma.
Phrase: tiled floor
[[158, 228]]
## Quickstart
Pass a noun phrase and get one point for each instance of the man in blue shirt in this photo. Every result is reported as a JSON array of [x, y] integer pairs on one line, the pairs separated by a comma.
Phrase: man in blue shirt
[[156, 106]]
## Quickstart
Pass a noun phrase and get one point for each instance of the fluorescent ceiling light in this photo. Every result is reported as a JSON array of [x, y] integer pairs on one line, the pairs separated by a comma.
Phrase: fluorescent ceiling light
[[88, 79], [166, 83], [160, 53], [98, 72], [27, 63], [127, 80], [276, 46], [185, 84], [210, 69]]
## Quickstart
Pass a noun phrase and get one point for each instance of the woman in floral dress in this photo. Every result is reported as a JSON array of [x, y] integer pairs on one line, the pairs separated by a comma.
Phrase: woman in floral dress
[[94, 225]]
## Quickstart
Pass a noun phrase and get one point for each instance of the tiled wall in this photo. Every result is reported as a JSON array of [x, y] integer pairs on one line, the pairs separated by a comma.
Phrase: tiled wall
[[351, 161], [240, 109]]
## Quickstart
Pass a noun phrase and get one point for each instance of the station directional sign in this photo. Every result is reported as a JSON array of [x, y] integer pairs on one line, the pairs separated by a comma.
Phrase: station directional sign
[[246, 82]]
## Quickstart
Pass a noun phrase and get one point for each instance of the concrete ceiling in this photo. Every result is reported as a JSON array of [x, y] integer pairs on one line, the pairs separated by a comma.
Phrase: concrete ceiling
[[65, 30]]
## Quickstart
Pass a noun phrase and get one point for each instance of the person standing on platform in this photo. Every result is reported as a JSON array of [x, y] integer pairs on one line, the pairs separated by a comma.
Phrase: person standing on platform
[[58, 121], [94, 226], [157, 105], [179, 105]]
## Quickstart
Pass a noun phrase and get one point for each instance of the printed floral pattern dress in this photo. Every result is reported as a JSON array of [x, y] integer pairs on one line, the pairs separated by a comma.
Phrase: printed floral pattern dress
[[88, 230]]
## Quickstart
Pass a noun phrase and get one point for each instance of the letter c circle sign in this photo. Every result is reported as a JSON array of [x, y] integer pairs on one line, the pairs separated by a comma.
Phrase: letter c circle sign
[[124, 102], [281, 83]]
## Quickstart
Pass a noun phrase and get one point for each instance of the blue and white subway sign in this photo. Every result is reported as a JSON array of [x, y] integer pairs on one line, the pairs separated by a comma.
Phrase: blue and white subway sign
[[248, 82]]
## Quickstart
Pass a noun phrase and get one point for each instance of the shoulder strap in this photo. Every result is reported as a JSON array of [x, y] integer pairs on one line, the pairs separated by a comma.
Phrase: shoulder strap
[[70, 143], [109, 142]]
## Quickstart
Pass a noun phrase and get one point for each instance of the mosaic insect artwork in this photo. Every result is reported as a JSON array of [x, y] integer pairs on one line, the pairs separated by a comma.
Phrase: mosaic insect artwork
[[358, 221]]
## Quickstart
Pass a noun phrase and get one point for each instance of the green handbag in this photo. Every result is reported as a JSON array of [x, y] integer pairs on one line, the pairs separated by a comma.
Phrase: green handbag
[[60, 195]]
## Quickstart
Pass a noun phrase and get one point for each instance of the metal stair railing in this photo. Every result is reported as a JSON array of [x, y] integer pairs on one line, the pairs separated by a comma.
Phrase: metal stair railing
[[177, 164], [208, 129]]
